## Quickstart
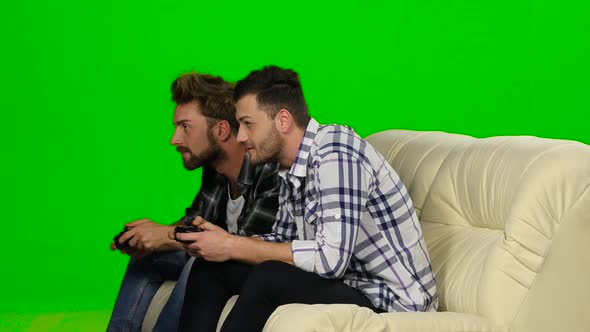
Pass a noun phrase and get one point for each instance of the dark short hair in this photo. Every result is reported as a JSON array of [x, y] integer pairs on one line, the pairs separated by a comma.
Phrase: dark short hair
[[215, 96], [275, 88]]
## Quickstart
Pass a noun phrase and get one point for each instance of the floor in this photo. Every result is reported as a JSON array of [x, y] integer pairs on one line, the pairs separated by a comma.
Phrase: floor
[[91, 320]]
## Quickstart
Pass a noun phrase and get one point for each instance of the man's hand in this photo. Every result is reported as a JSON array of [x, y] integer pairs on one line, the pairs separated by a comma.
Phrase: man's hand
[[146, 236], [216, 245], [213, 243]]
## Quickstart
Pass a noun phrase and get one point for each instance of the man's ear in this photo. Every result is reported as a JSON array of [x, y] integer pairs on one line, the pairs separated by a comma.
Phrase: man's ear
[[222, 131], [283, 121]]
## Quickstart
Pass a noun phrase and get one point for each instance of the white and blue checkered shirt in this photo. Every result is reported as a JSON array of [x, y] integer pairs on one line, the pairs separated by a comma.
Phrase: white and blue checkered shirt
[[349, 216]]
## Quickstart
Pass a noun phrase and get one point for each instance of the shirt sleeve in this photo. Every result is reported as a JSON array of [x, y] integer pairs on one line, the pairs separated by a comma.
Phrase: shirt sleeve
[[342, 184], [284, 229]]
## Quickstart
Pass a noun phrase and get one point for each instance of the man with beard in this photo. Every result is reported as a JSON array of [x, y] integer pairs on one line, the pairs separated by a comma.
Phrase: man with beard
[[235, 195], [346, 229]]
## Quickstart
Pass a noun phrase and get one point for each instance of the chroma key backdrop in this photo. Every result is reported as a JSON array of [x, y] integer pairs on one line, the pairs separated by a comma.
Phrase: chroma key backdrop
[[86, 115]]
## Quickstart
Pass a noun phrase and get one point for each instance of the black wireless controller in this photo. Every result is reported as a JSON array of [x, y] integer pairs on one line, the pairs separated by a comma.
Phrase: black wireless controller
[[124, 245], [186, 229]]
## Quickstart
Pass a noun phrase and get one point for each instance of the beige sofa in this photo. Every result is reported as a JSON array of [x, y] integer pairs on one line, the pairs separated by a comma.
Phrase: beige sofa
[[507, 223]]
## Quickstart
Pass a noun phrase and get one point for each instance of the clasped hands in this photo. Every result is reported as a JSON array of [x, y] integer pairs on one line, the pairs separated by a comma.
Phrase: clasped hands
[[143, 237]]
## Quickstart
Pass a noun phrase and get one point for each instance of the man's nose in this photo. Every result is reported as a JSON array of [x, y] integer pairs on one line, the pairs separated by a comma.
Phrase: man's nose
[[242, 137], [175, 138]]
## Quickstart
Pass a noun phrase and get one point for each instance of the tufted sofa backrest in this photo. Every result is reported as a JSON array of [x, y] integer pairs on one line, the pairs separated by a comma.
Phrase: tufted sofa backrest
[[504, 220]]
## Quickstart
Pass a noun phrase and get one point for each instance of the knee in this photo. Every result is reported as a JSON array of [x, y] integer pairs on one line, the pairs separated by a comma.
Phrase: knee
[[272, 267], [269, 275], [143, 260], [204, 269]]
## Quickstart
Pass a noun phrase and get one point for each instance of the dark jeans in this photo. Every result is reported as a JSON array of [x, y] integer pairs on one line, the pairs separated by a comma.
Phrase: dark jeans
[[142, 279], [262, 288]]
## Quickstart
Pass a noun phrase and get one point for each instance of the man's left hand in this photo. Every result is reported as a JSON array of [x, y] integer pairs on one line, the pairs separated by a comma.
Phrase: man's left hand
[[213, 243]]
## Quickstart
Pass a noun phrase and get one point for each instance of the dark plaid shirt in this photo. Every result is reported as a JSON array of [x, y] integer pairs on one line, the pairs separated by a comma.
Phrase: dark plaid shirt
[[259, 185]]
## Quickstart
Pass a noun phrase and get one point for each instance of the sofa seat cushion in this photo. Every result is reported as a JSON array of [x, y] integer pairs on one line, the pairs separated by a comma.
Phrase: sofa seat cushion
[[352, 318]]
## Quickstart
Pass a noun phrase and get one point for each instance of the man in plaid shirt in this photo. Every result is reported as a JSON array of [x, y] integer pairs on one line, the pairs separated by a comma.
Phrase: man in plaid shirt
[[346, 229], [235, 195]]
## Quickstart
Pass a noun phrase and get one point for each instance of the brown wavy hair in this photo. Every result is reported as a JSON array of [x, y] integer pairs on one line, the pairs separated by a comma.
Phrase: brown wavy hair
[[214, 94]]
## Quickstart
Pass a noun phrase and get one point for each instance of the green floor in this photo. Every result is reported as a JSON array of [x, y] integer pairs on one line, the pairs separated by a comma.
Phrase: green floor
[[88, 321]]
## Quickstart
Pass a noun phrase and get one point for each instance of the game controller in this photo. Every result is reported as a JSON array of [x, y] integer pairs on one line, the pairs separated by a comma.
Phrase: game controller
[[124, 245], [186, 229]]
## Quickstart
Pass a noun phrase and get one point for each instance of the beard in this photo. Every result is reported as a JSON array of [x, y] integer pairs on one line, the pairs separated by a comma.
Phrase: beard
[[269, 150], [211, 156]]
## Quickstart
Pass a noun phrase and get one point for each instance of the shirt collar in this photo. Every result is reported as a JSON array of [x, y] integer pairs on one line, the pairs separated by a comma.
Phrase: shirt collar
[[299, 167], [247, 172]]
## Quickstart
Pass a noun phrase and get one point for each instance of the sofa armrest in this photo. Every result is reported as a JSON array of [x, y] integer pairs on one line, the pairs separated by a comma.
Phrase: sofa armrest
[[347, 317]]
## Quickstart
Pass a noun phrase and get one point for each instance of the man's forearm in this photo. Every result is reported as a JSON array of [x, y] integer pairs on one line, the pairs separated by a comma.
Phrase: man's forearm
[[253, 250]]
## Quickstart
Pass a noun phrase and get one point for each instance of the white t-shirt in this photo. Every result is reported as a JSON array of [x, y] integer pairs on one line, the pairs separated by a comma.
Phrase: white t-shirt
[[234, 209]]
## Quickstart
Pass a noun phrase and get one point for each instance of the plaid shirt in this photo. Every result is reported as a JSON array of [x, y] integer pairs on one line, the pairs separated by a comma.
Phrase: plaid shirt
[[349, 216], [259, 185]]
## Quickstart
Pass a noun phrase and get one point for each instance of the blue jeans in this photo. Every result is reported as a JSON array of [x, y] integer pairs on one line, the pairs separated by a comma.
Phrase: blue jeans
[[142, 279]]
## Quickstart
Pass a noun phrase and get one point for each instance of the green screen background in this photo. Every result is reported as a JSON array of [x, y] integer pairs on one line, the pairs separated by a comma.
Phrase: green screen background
[[86, 116]]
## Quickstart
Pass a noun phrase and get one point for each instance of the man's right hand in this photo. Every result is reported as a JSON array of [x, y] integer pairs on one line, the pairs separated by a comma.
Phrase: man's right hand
[[146, 236]]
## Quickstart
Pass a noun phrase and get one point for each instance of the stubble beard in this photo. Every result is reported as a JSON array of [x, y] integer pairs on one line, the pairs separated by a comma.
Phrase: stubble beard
[[270, 149], [212, 156]]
